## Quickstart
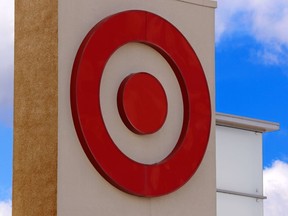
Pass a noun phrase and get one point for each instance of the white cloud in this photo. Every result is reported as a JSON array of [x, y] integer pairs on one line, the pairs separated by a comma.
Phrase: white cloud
[[5, 208], [276, 189], [264, 20], [6, 95], [227, 16], [6, 61], [270, 20]]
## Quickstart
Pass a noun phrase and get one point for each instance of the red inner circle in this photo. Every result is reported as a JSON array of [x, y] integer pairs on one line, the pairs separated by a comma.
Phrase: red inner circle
[[142, 103]]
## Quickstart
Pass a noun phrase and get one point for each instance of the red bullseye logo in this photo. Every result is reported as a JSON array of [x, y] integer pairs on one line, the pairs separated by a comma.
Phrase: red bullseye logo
[[141, 104]]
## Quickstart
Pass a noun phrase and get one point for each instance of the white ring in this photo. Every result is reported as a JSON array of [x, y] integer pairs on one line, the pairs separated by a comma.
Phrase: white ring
[[146, 149]]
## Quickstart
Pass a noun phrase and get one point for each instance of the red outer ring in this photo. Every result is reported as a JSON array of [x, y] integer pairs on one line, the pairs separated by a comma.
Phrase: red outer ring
[[97, 47]]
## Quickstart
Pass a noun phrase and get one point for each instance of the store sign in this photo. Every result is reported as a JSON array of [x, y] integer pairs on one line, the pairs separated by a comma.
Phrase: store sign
[[142, 103]]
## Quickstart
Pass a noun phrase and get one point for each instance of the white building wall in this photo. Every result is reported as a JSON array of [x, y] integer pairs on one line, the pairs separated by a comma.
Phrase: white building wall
[[239, 165], [239, 160], [239, 169], [228, 205]]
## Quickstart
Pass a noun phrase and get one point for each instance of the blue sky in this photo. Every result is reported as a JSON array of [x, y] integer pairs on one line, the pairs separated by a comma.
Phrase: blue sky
[[6, 104], [252, 66], [246, 86], [251, 80]]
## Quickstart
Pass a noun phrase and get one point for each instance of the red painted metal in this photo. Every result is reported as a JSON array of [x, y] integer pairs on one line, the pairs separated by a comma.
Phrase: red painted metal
[[142, 103], [132, 177]]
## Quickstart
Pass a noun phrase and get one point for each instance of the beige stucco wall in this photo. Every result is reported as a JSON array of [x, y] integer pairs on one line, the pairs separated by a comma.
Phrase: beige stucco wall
[[35, 108], [52, 175], [80, 187]]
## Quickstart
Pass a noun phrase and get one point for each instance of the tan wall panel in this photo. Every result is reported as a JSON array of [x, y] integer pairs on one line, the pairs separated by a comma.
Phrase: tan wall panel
[[80, 187], [35, 108]]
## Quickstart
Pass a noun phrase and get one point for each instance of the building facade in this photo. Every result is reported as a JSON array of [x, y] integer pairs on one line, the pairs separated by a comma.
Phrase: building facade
[[239, 167]]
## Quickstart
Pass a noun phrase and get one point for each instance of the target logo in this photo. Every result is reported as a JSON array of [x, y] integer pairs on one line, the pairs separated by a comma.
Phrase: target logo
[[140, 108]]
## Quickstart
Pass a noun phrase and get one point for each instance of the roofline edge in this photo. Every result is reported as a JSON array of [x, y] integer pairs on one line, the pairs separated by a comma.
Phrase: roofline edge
[[245, 123]]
